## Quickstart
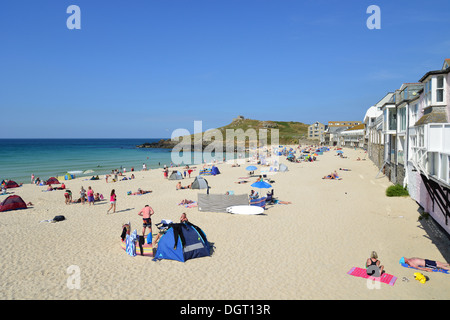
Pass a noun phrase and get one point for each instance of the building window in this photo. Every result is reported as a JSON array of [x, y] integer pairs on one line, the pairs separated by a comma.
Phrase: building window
[[440, 89], [402, 119], [414, 112], [427, 92]]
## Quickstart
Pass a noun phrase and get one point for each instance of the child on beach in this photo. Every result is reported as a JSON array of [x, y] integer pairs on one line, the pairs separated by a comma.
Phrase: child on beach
[[146, 214], [112, 201], [68, 196], [183, 218]]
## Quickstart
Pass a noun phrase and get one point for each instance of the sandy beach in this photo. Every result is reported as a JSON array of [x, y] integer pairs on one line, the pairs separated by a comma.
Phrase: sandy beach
[[297, 251]]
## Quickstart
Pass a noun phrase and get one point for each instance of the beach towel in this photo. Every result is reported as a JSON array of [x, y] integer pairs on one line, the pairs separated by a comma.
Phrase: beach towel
[[434, 270], [193, 204], [131, 244], [361, 273]]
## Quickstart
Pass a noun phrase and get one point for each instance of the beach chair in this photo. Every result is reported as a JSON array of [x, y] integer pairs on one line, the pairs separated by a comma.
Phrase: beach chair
[[270, 198]]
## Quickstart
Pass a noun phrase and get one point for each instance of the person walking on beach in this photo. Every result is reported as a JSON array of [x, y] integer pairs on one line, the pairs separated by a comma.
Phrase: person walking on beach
[[146, 214], [112, 201], [90, 196]]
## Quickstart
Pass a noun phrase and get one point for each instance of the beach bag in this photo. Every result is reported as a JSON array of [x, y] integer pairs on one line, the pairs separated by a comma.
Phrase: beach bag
[[59, 218]]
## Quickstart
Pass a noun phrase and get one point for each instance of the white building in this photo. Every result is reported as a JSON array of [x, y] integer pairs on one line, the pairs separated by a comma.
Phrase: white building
[[428, 161]]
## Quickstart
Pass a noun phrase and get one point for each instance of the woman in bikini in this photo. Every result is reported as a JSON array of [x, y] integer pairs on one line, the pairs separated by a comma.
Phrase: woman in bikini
[[373, 261]]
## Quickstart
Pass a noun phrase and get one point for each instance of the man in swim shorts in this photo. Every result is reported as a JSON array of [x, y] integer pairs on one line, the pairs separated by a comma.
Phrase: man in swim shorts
[[425, 264], [146, 214]]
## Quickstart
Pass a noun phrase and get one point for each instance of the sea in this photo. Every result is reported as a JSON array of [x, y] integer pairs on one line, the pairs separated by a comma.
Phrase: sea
[[45, 158]]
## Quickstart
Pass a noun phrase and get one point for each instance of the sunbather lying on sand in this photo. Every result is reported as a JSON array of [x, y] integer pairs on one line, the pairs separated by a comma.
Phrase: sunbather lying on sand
[[345, 169], [140, 191], [186, 201], [180, 187], [333, 176], [425, 264], [243, 181], [281, 202]]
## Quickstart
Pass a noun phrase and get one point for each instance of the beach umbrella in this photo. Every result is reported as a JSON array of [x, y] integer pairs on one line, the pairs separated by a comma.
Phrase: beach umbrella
[[251, 168], [339, 151], [261, 185]]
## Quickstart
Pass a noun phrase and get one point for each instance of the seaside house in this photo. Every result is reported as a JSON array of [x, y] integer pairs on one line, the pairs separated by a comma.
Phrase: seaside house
[[316, 131], [334, 130], [389, 132], [428, 158], [374, 138], [407, 95], [353, 137]]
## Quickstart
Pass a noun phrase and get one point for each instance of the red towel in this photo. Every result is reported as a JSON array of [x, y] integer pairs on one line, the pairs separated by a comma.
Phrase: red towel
[[385, 278]]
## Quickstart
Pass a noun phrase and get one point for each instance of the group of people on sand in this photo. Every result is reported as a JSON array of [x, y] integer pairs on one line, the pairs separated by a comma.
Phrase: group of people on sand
[[88, 196], [374, 267], [146, 213]]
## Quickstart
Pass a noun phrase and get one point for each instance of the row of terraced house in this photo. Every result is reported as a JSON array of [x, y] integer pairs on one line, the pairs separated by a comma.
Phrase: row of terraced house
[[407, 136]]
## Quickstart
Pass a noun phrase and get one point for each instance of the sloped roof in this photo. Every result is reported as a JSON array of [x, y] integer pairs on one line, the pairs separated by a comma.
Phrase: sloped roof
[[358, 127], [372, 112], [442, 71], [446, 61], [437, 115]]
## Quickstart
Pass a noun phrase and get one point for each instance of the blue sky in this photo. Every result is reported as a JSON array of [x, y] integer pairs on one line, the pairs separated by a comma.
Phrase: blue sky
[[144, 68]]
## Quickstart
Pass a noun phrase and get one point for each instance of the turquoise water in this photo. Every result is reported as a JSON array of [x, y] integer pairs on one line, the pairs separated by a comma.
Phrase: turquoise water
[[19, 158]]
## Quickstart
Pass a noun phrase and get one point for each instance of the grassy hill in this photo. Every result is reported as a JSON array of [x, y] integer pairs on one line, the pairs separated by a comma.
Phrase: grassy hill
[[289, 132]]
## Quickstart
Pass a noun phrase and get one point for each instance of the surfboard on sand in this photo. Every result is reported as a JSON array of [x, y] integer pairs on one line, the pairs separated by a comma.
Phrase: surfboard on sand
[[248, 210]]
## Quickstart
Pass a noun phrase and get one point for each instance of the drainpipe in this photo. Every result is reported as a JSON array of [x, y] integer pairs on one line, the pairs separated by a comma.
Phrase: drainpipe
[[405, 181]]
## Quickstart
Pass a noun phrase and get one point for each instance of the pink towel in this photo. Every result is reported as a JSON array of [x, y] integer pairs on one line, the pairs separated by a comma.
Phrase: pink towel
[[385, 278]]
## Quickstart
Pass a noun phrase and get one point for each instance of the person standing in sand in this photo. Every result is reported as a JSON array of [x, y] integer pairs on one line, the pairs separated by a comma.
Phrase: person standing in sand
[[146, 214], [90, 196], [112, 201], [82, 194]]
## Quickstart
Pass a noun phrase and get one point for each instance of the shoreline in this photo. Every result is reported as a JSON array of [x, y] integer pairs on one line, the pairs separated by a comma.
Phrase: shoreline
[[298, 251]]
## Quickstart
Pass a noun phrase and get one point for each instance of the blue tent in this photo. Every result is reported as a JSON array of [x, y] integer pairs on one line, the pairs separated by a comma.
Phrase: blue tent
[[215, 170], [181, 242]]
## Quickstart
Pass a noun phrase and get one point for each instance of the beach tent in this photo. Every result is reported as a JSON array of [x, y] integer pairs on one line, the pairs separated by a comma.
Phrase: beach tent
[[11, 184], [181, 242], [12, 203], [215, 170], [283, 168], [199, 183], [52, 180], [220, 202], [67, 176], [176, 175]]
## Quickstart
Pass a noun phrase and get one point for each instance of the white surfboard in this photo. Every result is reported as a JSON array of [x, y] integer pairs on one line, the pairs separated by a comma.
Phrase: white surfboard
[[249, 210]]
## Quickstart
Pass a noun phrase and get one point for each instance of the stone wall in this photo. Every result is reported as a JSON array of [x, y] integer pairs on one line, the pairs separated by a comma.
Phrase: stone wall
[[376, 154]]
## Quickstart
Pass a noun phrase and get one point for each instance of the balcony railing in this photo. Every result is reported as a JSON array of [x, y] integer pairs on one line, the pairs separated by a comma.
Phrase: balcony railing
[[433, 158]]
